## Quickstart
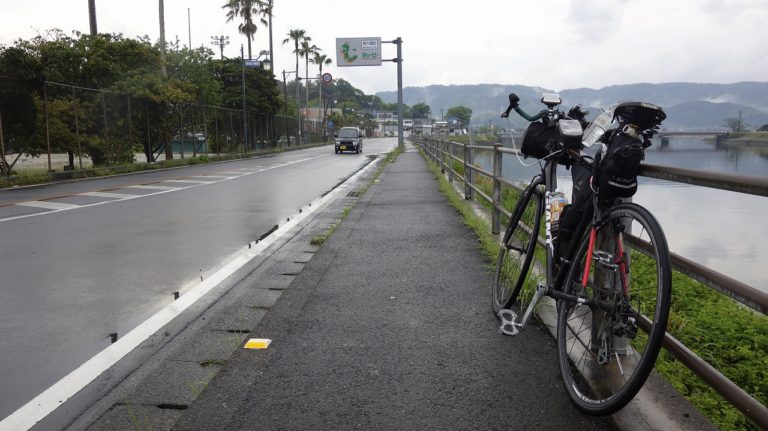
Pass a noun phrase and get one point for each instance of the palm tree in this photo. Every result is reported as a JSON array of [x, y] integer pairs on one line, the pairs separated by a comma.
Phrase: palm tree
[[320, 60], [297, 36], [247, 10], [307, 50]]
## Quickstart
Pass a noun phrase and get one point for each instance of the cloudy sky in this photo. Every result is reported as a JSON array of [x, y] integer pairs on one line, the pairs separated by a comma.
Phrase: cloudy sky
[[555, 44]]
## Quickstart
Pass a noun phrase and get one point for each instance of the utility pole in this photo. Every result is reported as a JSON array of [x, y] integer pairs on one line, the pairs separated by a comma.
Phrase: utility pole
[[285, 87], [189, 29], [3, 170], [92, 16], [399, 60], [162, 38], [245, 116]]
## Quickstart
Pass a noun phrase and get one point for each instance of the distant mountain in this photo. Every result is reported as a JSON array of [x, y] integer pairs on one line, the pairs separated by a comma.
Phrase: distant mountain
[[688, 105], [705, 115]]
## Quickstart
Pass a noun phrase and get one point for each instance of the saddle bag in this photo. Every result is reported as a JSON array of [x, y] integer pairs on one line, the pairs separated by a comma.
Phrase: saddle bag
[[620, 166]]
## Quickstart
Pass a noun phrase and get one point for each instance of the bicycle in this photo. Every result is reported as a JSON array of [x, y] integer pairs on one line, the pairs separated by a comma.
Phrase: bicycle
[[610, 280]]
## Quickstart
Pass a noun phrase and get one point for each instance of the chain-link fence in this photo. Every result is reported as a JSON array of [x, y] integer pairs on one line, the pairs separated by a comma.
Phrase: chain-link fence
[[74, 128]]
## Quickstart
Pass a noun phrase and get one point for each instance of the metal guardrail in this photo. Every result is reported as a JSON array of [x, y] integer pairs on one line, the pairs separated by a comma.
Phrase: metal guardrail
[[443, 152]]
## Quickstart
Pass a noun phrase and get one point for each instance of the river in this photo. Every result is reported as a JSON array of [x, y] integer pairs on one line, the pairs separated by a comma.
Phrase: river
[[722, 230]]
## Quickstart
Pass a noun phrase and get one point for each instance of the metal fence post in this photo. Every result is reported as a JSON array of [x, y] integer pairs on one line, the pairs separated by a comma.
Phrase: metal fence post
[[468, 177], [442, 156], [496, 213], [432, 152], [450, 162]]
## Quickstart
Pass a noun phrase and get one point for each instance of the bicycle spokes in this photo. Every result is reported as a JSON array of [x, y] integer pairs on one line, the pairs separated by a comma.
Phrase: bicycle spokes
[[604, 357]]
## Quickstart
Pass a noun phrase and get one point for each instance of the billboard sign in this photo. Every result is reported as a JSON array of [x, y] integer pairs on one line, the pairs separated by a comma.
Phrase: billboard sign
[[358, 51]]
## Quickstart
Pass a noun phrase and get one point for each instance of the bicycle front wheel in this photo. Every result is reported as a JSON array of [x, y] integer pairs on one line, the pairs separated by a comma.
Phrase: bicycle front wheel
[[604, 358], [516, 250]]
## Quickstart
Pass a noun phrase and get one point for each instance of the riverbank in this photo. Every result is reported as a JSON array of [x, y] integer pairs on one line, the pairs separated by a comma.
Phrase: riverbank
[[728, 335], [756, 142], [759, 138]]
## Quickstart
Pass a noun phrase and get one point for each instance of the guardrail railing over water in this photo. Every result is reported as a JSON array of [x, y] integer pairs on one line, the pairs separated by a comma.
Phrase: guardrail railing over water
[[444, 153]]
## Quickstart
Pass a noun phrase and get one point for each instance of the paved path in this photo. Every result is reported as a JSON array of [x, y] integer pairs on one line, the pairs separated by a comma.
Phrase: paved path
[[388, 327]]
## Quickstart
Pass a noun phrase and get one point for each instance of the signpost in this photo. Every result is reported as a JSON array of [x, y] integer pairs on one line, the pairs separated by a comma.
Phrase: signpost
[[252, 63], [358, 51], [366, 51]]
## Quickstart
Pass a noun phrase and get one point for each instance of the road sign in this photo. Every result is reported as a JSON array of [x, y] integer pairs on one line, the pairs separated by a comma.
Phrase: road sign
[[327, 78], [253, 63], [330, 124], [358, 51]]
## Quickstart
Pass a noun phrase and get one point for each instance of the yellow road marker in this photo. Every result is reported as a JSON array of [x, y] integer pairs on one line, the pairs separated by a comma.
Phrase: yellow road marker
[[258, 343]]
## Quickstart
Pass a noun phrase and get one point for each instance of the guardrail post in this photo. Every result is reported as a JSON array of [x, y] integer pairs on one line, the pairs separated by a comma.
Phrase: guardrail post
[[450, 162], [442, 156], [468, 177], [431, 149], [496, 213]]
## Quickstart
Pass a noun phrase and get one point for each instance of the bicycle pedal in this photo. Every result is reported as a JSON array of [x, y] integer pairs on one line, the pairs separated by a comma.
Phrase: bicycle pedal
[[508, 322]]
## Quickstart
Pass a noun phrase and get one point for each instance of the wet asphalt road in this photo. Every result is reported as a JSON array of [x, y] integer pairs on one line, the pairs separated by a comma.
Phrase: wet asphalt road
[[86, 259]]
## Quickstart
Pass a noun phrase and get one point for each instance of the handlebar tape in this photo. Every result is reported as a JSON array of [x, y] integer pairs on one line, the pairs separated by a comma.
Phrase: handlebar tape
[[523, 114]]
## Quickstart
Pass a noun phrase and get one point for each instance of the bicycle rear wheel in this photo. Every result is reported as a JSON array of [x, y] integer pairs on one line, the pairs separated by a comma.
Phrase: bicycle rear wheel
[[604, 359], [516, 250]]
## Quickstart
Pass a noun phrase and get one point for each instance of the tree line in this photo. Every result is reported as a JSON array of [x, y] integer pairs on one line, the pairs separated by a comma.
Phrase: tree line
[[107, 96]]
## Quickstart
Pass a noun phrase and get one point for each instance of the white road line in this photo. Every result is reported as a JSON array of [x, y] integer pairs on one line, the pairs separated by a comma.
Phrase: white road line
[[48, 205], [154, 187], [110, 195], [46, 402], [190, 181], [230, 172], [214, 176], [161, 190]]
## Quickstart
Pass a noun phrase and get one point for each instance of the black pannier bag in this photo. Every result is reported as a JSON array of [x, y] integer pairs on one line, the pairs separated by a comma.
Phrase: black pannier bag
[[620, 166], [536, 139]]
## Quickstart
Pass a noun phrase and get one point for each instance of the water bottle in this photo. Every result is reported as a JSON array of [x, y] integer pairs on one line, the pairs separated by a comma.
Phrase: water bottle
[[597, 128], [557, 201]]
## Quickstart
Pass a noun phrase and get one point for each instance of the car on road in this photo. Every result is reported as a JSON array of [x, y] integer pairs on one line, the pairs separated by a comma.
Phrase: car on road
[[349, 139]]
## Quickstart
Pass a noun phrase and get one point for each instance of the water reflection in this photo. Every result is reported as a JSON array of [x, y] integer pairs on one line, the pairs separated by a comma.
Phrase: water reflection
[[721, 230]]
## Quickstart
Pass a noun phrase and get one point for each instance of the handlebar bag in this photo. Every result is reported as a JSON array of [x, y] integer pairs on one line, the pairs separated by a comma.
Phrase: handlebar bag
[[620, 166], [570, 133], [536, 139]]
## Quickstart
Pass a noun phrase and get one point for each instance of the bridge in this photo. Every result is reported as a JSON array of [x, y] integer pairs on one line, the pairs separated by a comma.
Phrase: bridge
[[718, 134]]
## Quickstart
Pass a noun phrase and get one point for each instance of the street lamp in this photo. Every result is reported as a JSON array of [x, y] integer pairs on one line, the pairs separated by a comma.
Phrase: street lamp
[[264, 64], [220, 41]]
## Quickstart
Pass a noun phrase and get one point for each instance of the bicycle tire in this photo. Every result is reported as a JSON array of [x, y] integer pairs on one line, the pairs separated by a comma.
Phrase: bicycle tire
[[599, 375], [516, 250]]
